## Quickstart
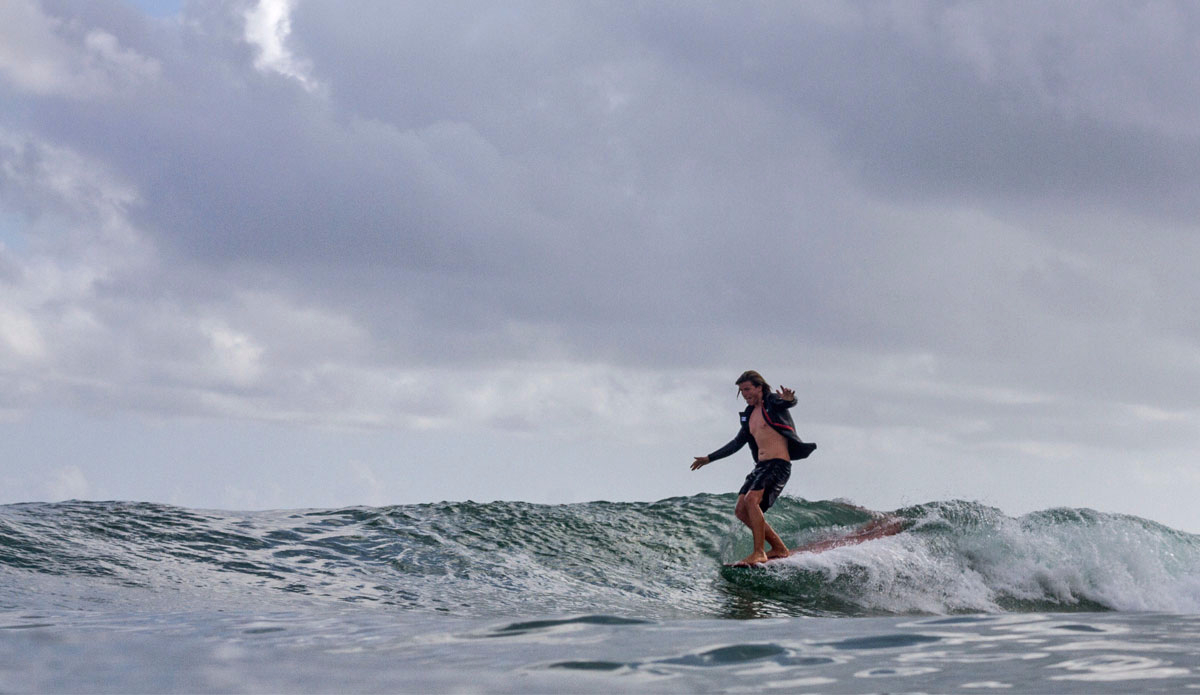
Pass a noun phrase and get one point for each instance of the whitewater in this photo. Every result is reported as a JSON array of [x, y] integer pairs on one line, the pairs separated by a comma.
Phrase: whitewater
[[595, 597]]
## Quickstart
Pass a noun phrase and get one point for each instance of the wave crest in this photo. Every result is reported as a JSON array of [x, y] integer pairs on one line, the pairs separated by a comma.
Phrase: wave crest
[[659, 559]]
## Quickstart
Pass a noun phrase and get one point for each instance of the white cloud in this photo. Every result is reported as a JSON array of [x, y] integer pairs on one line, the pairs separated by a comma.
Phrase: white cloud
[[268, 25], [47, 56], [236, 356], [20, 335], [126, 64], [68, 198]]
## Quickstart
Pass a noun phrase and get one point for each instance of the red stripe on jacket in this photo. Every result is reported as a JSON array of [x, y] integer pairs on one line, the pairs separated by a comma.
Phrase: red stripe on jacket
[[772, 423]]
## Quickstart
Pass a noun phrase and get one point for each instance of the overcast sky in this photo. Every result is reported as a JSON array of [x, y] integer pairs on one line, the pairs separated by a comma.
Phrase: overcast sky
[[309, 254]]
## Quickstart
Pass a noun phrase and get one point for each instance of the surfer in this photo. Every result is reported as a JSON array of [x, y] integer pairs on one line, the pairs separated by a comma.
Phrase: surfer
[[767, 427]]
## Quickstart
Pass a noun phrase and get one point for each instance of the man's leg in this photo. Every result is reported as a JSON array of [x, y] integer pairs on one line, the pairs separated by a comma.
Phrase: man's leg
[[778, 474], [752, 516], [778, 549], [750, 513]]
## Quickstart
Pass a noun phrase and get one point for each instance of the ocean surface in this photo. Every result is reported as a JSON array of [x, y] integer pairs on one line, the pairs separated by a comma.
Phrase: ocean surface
[[117, 597]]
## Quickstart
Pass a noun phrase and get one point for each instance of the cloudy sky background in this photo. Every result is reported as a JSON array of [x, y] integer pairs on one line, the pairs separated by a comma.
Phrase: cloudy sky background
[[308, 254]]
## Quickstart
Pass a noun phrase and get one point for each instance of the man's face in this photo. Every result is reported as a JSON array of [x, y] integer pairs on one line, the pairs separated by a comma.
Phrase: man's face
[[750, 392]]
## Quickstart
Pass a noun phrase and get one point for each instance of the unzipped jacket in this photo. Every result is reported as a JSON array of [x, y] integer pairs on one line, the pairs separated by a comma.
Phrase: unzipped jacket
[[775, 412]]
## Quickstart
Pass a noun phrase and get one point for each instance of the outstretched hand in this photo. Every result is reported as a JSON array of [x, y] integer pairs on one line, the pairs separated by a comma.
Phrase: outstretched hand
[[786, 394], [700, 461]]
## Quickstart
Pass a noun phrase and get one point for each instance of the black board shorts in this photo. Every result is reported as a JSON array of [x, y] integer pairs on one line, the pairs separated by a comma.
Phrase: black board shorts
[[769, 476]]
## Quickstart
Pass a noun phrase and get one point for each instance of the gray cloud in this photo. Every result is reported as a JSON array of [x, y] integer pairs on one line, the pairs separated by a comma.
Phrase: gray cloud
[[940, 217], [610, 171], [999, 103]]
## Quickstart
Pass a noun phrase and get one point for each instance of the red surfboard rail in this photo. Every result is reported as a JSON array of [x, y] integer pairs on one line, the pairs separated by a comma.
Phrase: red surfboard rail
[[877, 528]]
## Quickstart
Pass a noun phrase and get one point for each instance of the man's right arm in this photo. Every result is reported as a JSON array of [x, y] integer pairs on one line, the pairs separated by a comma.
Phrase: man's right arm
[[731, 448]]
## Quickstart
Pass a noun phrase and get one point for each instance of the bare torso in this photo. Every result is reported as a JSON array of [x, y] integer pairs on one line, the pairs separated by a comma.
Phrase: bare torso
[[771, 444]]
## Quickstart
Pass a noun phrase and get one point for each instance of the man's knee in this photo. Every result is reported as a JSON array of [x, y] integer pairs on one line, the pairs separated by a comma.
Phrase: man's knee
[[739, 510], [751, 500]]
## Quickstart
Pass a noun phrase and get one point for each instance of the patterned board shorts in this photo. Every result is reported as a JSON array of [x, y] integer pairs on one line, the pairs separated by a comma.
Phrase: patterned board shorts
[[769, 476]]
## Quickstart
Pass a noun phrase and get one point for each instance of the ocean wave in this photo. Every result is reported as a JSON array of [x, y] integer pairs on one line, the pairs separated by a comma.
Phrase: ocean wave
[[660, 559]]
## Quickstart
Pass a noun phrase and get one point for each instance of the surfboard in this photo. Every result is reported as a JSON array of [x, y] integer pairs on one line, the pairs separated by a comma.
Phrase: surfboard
[[878, 528]]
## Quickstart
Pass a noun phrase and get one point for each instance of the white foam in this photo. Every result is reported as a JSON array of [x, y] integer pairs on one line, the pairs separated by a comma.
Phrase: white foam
[[980, 560]]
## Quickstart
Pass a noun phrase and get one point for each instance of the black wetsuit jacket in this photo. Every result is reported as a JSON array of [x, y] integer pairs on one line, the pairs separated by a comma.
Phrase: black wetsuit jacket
[[775, 412]]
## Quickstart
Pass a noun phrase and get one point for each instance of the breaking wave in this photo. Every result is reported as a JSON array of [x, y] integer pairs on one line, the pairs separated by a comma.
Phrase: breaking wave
[[660, 559]]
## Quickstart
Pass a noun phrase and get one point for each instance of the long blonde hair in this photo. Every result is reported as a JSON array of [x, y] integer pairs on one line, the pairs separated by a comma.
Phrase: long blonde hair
[[754, 378]]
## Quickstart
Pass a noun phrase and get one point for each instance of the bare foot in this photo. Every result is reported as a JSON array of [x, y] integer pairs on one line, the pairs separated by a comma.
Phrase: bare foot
[[775, 554], [752, 559]]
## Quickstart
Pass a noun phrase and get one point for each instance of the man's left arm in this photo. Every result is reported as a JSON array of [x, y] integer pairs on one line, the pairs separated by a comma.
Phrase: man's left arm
[[787, 397]]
